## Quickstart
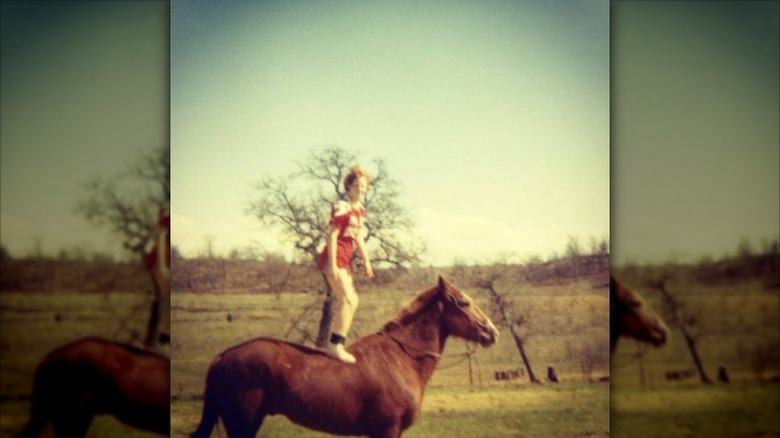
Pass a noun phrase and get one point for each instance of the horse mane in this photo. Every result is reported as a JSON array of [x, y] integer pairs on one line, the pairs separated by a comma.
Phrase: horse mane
[[416, 306], [138, 350], [100, 340], [299, 347], [618, 292]]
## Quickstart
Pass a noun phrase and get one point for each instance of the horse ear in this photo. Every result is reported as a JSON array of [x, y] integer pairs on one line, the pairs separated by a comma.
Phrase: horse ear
[[442, 284]]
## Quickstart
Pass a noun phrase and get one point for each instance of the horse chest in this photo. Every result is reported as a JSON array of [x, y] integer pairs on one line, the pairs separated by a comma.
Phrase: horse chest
[[398, 402]]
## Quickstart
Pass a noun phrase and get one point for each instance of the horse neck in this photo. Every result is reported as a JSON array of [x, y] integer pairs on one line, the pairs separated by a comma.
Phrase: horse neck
[[423, 340], [614, 328]]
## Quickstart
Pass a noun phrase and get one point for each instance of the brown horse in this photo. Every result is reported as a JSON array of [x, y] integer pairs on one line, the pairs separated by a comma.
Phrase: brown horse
[[379, 396], [94, 376], [630, 316]]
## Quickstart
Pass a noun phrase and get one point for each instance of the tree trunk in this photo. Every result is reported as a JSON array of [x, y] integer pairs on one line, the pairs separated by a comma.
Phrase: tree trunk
[[519, 342], [680, 321], [323, 333], [691, 343], [641, 359], [502, 307]]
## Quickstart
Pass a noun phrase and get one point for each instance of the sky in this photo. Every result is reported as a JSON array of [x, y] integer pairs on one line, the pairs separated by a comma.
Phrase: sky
[[493, 116], [83, 93], [695, 129]]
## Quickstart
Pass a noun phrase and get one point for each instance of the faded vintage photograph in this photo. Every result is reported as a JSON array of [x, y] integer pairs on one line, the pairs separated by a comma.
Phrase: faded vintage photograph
[[85, 165], [390, 218], [695, 219]]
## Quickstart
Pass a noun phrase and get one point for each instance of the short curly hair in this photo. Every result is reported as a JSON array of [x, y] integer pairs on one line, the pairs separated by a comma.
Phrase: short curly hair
[[354, 173]]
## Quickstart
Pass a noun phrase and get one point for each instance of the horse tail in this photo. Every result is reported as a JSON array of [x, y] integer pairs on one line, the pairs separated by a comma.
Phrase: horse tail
[[39, 410], [211, 412]]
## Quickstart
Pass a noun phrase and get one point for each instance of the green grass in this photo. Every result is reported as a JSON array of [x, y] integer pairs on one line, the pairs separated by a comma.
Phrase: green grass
[[735, 410], [563, 318], [15, 413], [731, 319], [565, 410], [201, 330], [506, 410], [29, 330]]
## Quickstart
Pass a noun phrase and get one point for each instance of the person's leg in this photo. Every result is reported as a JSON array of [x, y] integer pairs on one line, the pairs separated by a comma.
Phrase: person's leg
[[163, 344], [344, 305]]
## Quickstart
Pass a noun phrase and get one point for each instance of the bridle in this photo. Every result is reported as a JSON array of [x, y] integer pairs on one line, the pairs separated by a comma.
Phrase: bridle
[[456, 304], [406, 347]]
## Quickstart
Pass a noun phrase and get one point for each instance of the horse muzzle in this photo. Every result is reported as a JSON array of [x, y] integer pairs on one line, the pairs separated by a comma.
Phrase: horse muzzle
[[488, 335], [658, 335]]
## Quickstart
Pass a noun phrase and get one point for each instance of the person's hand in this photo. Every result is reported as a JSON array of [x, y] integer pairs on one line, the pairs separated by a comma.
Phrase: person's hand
[[330, 272], [369, 270]]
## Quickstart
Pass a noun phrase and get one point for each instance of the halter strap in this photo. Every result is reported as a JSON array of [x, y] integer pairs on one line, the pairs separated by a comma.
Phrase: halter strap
[[405, 347]]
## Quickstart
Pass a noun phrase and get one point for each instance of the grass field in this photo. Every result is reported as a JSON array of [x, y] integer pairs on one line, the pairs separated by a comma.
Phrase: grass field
[[733, 319], [561, 318], [737, 326], [508, 410], [742, 409], [31, 325]]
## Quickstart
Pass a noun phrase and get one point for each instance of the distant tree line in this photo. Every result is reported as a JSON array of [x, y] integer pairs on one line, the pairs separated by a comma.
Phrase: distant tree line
[[70, 272], [746, 262]]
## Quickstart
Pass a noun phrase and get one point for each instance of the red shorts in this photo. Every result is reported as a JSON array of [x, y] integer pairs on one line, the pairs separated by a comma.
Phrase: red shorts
[[344, 251]]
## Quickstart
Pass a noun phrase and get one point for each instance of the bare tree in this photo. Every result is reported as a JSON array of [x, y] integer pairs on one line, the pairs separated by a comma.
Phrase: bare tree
[[506, 315], [677, 315], [763, 356], [298, 204], [127, 204], [590, 355], [574, 254]]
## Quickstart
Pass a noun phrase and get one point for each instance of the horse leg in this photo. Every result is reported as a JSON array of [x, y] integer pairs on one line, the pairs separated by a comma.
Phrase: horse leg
[[243, 414], [241, 427], [391, 432], [71, 424], [71, 412], [44, 389], [211, 412], [38, 416]]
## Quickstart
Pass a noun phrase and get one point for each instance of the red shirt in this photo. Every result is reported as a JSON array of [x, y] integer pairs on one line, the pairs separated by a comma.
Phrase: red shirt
[[349, 220], [163, 225]]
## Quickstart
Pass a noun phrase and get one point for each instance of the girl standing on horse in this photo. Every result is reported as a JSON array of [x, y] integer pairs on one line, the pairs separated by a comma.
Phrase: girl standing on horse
[[345, 233]]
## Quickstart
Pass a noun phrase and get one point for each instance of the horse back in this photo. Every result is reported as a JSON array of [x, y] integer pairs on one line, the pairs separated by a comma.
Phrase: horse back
[[256, 361], [131, 383], [295, 380], [131, 370]]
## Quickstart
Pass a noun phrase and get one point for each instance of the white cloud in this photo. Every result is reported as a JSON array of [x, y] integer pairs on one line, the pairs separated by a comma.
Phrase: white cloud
[[469, 238], [16, 234], [190, 236]]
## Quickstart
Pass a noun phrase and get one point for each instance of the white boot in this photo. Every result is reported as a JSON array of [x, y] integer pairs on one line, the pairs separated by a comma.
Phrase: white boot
[[337, 351]]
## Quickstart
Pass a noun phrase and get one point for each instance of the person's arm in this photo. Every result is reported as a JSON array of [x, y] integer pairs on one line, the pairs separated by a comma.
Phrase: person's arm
[[363, 253], [332, 265], [162, 256]]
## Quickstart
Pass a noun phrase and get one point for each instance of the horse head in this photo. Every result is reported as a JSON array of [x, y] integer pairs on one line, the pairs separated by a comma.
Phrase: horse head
[[632, 317], [463, 318]]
